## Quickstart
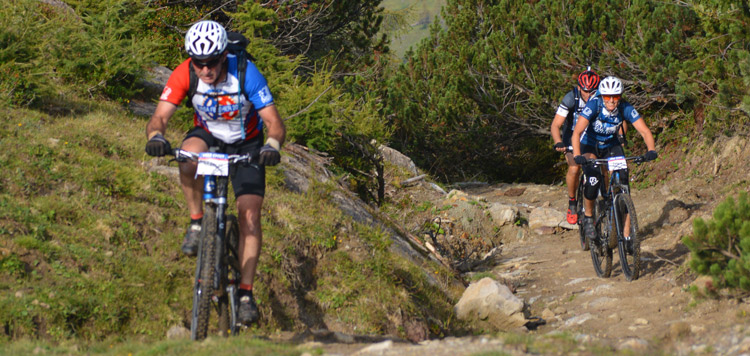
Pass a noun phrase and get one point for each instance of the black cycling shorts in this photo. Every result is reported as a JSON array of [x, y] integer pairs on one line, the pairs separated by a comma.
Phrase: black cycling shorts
[[246, 178], [594, 175]]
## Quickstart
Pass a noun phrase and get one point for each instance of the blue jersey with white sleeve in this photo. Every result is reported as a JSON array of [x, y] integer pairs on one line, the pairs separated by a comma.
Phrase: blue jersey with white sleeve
[[603, 124]]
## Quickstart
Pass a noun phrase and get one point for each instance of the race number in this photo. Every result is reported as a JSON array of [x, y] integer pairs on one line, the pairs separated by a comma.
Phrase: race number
[[616, 163], [213, 164]]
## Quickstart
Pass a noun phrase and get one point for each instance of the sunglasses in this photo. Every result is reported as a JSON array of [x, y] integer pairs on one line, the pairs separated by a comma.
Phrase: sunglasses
[[611, 97], [210, 63], [587, 91]]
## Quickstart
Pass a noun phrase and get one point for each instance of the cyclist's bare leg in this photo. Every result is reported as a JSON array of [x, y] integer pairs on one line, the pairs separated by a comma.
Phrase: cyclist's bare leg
[[571, 178], [626, 226], [192, 187], [251, 235]]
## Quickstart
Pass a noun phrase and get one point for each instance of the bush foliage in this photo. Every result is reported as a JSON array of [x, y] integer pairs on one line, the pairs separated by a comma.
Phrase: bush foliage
[[721, 246], [47, 50], [490, 79]]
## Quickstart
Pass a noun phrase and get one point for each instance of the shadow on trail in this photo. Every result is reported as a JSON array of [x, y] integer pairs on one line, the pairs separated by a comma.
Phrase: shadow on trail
[[653, 262], [647, 232]]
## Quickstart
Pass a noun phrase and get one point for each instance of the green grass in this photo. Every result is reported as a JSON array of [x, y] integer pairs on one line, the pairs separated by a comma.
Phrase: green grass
[[422, 13], [211, 346], [89, 247]]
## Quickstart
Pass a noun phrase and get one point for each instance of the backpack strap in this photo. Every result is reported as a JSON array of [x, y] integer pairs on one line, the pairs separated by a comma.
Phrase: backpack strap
[[193, 85], [241, 69]]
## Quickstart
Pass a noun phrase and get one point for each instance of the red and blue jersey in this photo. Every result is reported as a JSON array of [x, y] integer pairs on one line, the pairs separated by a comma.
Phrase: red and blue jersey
[[221, 109]]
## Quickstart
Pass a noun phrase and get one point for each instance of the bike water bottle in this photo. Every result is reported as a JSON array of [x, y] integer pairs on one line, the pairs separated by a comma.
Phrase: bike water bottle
[[209, 185]]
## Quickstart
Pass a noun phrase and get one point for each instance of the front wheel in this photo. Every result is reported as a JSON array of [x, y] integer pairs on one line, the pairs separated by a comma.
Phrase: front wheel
[[601, 254], [203, 287], [625, 228]]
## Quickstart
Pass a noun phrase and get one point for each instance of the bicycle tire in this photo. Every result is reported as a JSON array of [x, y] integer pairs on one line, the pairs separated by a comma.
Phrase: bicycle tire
[[203, 288], [231, 279], [601, 254], [630, 256], [579, 211]]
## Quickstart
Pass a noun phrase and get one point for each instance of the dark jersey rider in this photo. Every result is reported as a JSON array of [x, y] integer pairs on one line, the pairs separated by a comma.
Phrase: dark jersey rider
[[562, 130]]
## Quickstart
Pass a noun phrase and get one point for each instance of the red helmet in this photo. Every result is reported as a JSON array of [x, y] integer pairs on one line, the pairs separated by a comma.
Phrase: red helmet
[[588, 80]]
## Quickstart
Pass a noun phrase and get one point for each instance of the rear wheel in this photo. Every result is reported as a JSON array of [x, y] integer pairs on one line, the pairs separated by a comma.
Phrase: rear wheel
[[626, 232], [225, 319], [203, 288], [228, 303], [601, 254]]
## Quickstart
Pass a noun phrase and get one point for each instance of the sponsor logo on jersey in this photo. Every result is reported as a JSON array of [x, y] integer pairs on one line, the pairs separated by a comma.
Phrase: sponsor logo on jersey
[[634, 113], [265, 95], [228, 108], [165, 94], [586, 112]]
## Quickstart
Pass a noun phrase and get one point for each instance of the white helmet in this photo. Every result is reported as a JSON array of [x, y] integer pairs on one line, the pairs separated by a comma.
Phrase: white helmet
[[610, 86], [205, 39]]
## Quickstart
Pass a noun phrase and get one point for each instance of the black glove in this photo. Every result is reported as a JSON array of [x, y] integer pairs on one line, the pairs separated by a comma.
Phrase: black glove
[[559, 145], [580, 159], [158, 146], [650, 155], [269, 156]]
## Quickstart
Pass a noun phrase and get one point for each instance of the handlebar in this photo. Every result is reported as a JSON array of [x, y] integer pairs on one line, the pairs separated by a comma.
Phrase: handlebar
[[599, 161], [184, 156]]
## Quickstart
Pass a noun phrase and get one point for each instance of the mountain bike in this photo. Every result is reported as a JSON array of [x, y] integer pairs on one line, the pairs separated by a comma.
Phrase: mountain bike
[[217, 271], [615, 222]]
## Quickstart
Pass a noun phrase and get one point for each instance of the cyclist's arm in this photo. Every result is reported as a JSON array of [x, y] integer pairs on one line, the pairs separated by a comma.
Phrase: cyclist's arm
[[158, 123], [557, 123], [648, 138], [581, 126], [274, 123]]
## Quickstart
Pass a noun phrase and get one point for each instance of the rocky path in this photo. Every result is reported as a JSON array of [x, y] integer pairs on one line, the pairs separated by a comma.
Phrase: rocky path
[[655, 314]]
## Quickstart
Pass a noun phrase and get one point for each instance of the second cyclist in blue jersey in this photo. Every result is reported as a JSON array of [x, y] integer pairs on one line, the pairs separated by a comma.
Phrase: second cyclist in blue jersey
[[601, 119]]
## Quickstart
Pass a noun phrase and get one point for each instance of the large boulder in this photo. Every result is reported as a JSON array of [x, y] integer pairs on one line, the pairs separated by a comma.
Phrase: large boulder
[[489, 304], [546, 220]]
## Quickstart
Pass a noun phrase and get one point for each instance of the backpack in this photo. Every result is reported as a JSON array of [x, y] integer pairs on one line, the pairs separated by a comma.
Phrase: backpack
[[237, 45], [568, 125]]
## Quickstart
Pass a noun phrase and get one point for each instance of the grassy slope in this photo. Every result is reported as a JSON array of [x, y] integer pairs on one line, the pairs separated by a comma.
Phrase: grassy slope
[[425, 10], [89, 243]]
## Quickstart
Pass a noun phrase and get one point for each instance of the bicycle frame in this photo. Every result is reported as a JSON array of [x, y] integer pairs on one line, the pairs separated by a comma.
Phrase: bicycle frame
[[215, 187], [613, 195], [609, 193]]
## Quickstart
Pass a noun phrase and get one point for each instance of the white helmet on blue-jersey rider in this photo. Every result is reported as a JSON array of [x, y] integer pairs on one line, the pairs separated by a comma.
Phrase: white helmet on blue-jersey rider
[[205, 39], [610, 86]]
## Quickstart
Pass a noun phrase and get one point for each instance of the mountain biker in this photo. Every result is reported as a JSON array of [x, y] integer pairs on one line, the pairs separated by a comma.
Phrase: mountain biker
[[567, 113], [226, 118], [601, 119]]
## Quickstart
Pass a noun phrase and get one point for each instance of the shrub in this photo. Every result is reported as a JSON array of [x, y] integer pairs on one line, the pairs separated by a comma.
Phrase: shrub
[[47, 51], [721, 247]]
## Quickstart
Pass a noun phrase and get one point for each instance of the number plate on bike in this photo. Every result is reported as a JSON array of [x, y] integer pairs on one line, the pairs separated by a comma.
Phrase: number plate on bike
[[616, 163], [213, 164]]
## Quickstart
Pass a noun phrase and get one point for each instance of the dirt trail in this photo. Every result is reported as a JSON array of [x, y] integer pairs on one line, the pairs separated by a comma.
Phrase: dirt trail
[[655, 314], [556, 278]]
